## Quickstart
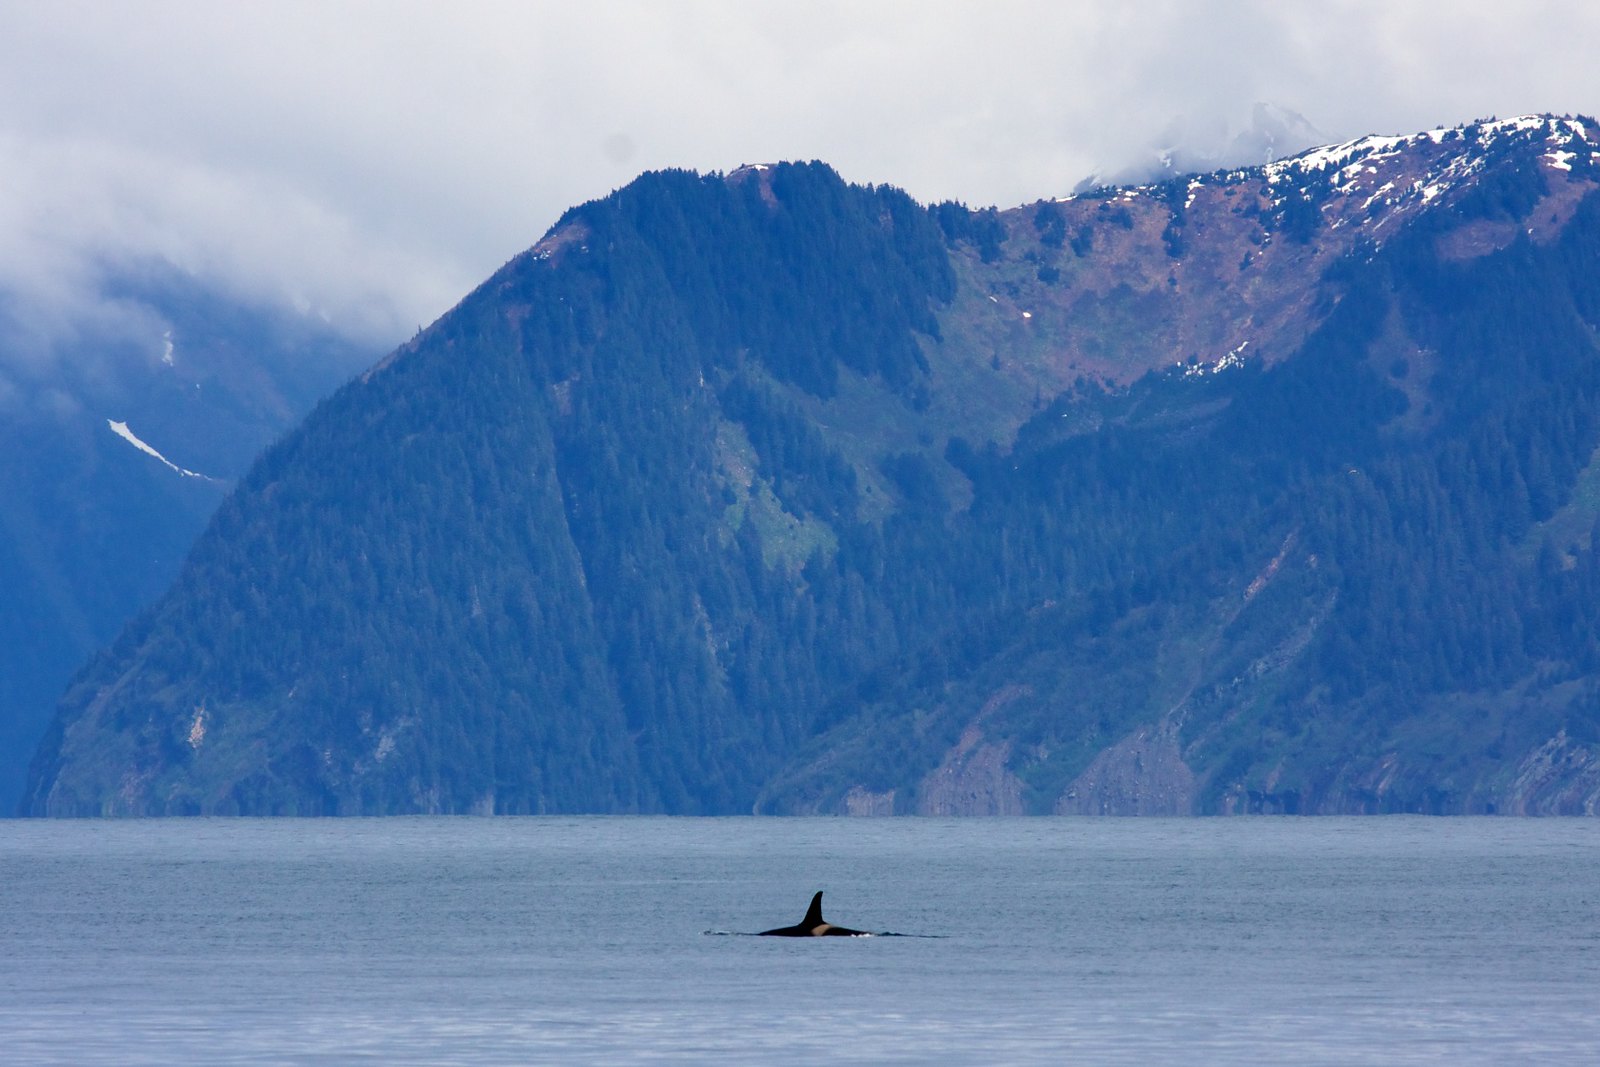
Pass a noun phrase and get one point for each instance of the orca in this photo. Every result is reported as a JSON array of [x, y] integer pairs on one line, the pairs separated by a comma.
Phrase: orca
[[813, 926]]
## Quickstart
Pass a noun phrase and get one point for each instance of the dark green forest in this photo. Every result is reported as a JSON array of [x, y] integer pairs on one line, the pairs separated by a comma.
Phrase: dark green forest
[[664, 518]]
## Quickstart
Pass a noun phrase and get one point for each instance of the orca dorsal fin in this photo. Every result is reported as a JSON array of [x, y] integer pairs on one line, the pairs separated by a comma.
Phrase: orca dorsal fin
[[814, 913]]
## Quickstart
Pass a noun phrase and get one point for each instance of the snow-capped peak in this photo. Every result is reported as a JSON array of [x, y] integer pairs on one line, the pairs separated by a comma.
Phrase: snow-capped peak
[[1351, 157]]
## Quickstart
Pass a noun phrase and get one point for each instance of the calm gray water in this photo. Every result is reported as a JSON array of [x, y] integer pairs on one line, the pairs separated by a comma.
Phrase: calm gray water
[[469, 941]]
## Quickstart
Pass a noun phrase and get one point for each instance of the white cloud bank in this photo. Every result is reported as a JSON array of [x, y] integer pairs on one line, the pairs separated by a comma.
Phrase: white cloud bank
[[373, 161]]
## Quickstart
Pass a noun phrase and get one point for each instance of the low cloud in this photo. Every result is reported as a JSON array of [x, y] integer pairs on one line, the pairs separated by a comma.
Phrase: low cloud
[[369, 163], [76, 212]]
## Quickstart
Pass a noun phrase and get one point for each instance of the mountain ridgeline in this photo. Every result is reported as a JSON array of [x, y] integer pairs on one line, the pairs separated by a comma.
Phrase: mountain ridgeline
[[1265, 490]]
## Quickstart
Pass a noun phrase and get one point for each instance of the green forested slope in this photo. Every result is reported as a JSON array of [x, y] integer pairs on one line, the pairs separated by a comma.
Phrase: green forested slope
[[533, 562], [770, 491]]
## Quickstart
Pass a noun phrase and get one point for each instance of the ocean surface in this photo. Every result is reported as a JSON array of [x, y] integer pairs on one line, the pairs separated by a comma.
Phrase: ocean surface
[[615, 940]]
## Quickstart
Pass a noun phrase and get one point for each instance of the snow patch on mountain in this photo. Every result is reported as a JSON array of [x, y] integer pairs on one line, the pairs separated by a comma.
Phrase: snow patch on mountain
[[122, 431], [1393, 174], [1234, 358]]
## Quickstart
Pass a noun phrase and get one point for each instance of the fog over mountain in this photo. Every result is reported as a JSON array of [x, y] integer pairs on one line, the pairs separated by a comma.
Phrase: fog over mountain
[[371, 166], [1196, 145]]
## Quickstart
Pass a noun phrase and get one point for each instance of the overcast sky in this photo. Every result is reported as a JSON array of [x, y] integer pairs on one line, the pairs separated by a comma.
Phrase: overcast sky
[[374, 161]]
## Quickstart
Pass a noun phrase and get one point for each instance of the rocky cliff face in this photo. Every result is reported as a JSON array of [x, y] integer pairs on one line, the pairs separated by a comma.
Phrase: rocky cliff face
[[1143, 774]]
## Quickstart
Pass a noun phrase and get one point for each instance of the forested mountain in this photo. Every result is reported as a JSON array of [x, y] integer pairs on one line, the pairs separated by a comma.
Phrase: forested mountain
[[115, 446], [1269, 489]]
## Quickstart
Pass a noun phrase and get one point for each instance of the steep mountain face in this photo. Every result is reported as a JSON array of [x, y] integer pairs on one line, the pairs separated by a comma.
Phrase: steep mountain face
[[1270, 489], [98, 501]]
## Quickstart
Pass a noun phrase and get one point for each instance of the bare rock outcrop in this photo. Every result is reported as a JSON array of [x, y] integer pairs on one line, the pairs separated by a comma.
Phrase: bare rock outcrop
[[863, 801], [973, 779], [1143, 774], [1560, 777]]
